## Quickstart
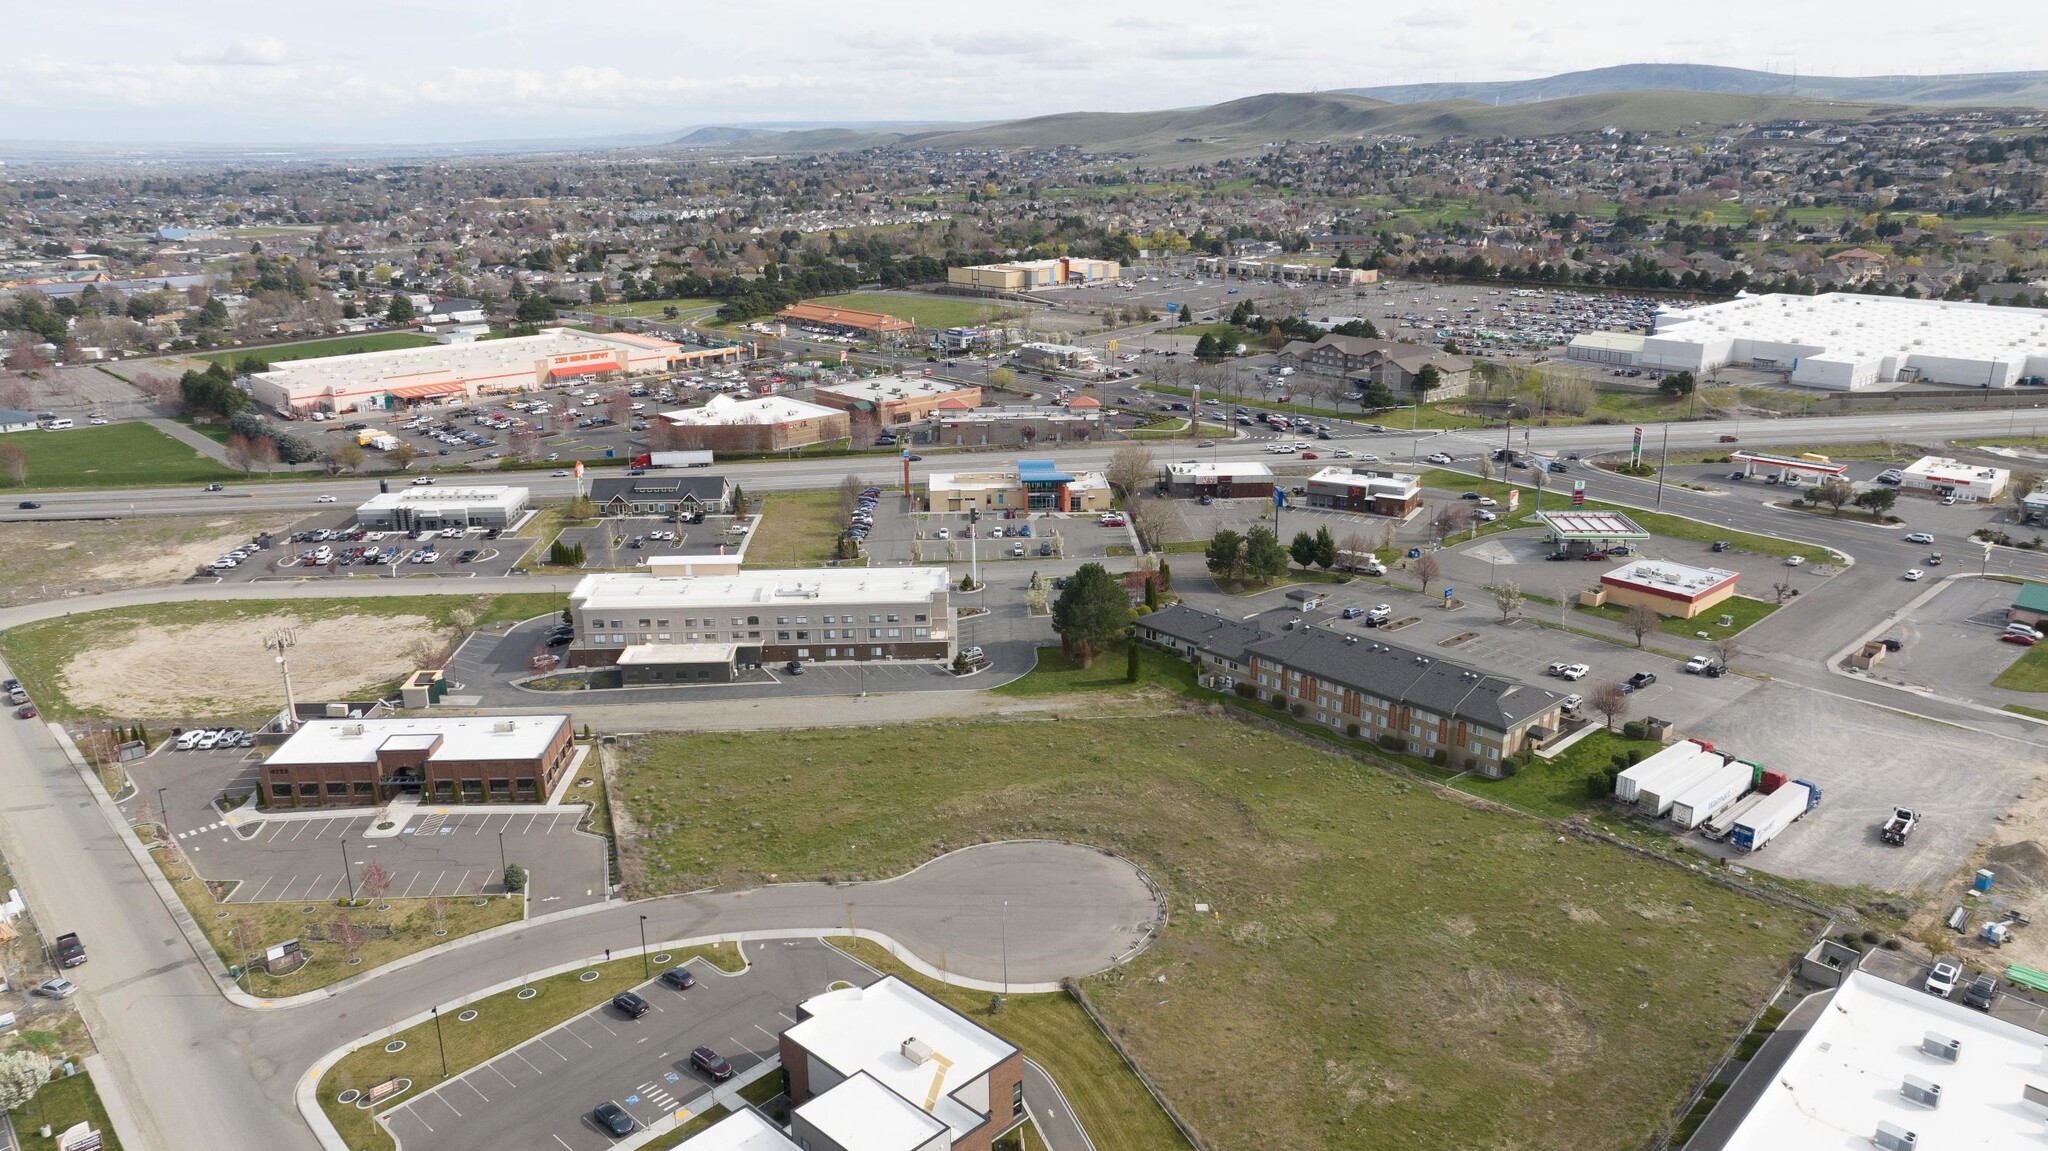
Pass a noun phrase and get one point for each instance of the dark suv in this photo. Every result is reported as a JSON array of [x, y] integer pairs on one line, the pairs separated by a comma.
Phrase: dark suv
[[630, 1003], [711, 1063]]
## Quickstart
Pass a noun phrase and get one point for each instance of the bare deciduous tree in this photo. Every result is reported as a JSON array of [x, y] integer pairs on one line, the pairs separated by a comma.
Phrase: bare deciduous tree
[[1726, 649], [1130, 468], [1426, 568], [1610, 701], [1641, 620], [14, 463]]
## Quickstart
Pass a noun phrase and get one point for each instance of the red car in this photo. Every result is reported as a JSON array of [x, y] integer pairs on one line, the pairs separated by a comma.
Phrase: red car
[[2019, 638], [28, 710], [1310, 456], [1729, 440]]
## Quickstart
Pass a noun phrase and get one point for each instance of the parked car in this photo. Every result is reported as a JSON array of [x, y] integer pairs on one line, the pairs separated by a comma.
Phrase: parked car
[[1982, 993], [1574, 671], [59, 988], [631, 1004], [1353, 612], [1698, 664], [2019, 638], [792, 668], [678, 978], [1913, 574], [1794, 561], [1941, 979], [615, 1119], [26, 711], [1920, 538], [711, 1063], [1640, 680]]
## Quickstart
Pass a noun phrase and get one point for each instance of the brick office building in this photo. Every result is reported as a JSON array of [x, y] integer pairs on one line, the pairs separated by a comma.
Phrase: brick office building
[[471, 759]]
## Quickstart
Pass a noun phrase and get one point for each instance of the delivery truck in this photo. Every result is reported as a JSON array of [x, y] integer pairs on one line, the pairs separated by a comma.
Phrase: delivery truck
[[1657, 796], [1719, 824], [1777, 812], [1700, 801], [672, 460], [381, 441], [1629, 783]]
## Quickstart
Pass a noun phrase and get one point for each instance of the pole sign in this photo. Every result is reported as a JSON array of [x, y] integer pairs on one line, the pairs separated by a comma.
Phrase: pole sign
[[1635, 451], [1514, 499], [1447, 594], [1279, 496], [1578, 493]]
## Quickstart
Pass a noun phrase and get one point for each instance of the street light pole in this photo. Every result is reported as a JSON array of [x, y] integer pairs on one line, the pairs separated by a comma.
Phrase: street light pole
[[645, 970], [347, 872], [440, 1042], [502, 868], [163, 813], [1006, 947]]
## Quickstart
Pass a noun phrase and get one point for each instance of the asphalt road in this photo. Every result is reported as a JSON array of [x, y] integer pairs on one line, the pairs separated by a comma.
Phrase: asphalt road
[[789, 475]]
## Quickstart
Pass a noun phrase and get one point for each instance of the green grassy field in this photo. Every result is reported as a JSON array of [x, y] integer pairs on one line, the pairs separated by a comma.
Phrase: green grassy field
[[1556, 788], [648, 309], [1408, 964], [1744, 610], [503, 1022], [61, 1103], [2029, 673], [313, 349], [112, 456], [1053, 1032], [797, 530], [924, 311]]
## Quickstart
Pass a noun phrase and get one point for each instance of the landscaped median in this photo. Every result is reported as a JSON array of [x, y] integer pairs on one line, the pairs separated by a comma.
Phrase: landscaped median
[[340, 941], [505, 1017]]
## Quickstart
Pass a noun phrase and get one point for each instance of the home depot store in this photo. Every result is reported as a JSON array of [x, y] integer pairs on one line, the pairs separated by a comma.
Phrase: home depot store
[[402, 377]]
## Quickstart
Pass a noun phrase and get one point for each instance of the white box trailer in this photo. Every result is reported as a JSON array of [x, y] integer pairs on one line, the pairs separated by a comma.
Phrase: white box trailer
[[1657, 797], [1630, 782], [1721, 788], [1719, 824], [1773, 815]]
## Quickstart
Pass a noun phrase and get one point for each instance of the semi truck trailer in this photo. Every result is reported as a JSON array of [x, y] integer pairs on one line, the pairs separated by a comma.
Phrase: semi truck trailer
[[1779, 811]]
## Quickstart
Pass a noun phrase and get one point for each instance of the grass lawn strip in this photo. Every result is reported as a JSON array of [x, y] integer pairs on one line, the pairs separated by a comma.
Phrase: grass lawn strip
[[113, 456], [1556, 788], [2028, 673], [504, 1021], [797, 529], [61, 1103], [1746, 612], [924, 311], [1458, 975], [1052, 1031]]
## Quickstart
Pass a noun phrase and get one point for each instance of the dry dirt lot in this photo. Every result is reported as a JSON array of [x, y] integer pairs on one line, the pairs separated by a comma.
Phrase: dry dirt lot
[[154, 669], [46, 560], [2016, 852]]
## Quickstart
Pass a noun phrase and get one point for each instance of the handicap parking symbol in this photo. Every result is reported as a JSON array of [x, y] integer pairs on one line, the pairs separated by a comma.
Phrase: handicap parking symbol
[[632, 1099], [672, 1077]]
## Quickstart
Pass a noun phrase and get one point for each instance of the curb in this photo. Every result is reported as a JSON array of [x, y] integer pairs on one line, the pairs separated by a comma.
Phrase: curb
[[1833, 664]]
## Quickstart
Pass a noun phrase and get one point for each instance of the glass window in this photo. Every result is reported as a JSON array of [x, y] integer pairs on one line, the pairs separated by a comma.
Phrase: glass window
[[309, 789], [337, 788], [781, 635], [923, 633], [803, 653], [874, 619], [894, 618]]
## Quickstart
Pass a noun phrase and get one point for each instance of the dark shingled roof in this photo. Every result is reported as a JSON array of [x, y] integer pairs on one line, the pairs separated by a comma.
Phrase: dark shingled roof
[[1223, 638], [1411, 677]]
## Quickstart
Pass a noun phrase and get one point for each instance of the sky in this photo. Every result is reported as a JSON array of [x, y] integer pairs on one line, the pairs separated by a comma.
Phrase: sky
[[377, 71]]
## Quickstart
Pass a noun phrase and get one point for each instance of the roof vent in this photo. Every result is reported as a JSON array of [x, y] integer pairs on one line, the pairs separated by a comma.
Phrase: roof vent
[[352, 729], [917, 1050], [1921, 1091], [1942, 1047], [505, 726], [1892, 1137]]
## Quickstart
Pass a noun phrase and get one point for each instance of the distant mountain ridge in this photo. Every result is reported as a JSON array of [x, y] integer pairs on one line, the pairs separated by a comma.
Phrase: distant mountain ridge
[[2002, 89]]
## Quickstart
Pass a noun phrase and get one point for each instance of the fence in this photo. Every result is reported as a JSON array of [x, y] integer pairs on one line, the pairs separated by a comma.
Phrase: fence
[[1081, 997]]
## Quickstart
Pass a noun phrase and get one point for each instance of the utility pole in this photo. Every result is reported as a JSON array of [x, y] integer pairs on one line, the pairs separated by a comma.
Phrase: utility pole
[[1663, 458], [279, 641]]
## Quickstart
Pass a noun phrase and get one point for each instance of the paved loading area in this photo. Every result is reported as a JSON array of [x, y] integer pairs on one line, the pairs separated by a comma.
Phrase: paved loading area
[[1865, 761], [540, 1094], [1950, 644]]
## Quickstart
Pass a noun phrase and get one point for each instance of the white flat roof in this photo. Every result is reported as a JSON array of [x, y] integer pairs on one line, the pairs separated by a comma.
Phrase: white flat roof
[[445, 497], [882, 389], [1942, 468], [857, 1029], [801, 589], [859, 1114], [1844, 325], [1364, 479], [970, 481], [662, 653], [1203, 471], [1665, 576], [745, 1130], [723, 411], [1844, 1077], [462, 738], [481, 360]]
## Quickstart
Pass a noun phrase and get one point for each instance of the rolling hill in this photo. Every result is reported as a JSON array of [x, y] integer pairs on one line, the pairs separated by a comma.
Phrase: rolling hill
[[2028, 89], [1248, 124]]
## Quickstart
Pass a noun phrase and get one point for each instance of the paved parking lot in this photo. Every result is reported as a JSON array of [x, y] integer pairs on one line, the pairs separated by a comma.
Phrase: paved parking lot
[[1079, 536], [1865, 760], [540, 1094], [287, 858], [610, 544], [1951, 645], [292, 559]]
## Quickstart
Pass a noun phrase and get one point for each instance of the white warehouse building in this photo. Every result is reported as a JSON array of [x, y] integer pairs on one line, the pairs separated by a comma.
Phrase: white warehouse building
[[1843, 342]]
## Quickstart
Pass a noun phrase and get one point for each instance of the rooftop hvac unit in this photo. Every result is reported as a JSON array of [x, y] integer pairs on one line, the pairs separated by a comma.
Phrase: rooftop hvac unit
[[1921, 1091], [1942, 1047], [505, 727], [352, 729], [1892, 1137], [917, 1050]]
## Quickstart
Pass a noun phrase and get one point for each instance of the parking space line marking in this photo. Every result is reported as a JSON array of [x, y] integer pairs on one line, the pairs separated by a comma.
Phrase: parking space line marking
[[792, 1022], [542, 1040], [409, 886], [437, 882], [332, 890], [466, 1081], [414, 1116], [765, 1031], [493, 1065], [448, 1105], [299, 827], [461, 882], [529, 1063], [552, 822], [267, 881], [564, 1143], [530, 820], [600, 1023]]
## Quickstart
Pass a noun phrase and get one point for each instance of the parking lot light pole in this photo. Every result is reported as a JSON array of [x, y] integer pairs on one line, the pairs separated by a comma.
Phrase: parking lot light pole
[[645, 970], [163, 814], [346, 871], [502, 869], [441, 1043], [1006, 947]]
